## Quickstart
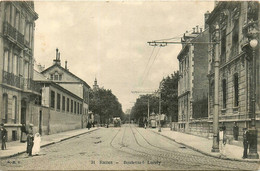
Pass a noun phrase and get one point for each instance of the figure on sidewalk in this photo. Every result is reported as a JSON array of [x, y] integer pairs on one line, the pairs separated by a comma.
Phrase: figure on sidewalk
[[235, 131], [30, 139], [36, 144], [245, 141], [3, 136], [88, 125], [23, 133], [222, 140]]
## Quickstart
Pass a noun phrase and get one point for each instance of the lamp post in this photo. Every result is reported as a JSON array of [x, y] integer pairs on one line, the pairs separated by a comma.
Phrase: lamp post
[[253, 131]]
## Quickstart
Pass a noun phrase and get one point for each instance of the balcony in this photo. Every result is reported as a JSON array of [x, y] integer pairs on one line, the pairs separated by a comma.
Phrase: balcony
[[20, 82], [14, 34]]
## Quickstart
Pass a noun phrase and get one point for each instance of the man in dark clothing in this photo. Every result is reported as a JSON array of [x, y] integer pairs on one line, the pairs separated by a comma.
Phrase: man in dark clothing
[[3, 136], [30, 139], [235, 131], [245, 141]]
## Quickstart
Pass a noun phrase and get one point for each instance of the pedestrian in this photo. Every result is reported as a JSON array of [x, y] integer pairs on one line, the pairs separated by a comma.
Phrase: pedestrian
[[30, 139], [3, 136], [245, 142], [235, 131], [89, 125], [36, 144], [222, 140], [23, 133]]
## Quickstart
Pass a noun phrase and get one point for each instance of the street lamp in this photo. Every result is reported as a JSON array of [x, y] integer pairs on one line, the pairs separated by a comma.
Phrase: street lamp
[[253, 131]]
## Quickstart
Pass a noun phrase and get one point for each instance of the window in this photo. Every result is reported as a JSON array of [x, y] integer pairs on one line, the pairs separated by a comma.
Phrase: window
[[71, 106], [17, 20], [21, 66], [52, 99], [6, 60], [8, 13], [223, 46], [5, 108], [235, 44], [26, 69], [58, 101], [63, 103], [60, 77], [68, 104], [75, 107], [78, 108], [236, 90], [56, 77], [15, 65], [224, 92], [14, 109], [51, 76]]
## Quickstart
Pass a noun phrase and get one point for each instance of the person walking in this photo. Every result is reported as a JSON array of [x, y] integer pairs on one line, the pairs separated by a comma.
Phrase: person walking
[[30, 139], [89, 125], [3, 136], [36, 144], [235, 131], [245, 142], [222, 140]]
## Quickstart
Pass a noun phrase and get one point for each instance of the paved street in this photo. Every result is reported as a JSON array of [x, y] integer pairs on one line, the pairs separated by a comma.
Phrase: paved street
[[127, 147]]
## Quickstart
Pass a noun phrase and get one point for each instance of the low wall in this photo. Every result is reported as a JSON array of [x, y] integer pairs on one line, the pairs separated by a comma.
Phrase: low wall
[[60, 122]]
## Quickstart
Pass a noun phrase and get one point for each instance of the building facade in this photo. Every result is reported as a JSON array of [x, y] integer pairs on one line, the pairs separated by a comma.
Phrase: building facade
[[192, 84], [235, 67], [64, 78], [18, 92]]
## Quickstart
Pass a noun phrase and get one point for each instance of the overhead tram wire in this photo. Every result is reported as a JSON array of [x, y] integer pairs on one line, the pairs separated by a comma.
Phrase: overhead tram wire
[[148, 61], [152, 64]]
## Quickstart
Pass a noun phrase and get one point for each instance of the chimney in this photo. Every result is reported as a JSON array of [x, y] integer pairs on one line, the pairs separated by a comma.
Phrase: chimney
[[197, 28], [57, 60], [66, 67], [201, 30], [193, 30], [206, 16]]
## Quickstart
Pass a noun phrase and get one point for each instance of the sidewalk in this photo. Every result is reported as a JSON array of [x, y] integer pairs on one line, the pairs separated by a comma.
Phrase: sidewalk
[[16, 147], [204, 145]]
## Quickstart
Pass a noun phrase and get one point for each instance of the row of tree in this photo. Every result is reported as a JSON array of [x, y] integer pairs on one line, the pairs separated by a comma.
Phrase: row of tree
[[169, 100], [105, 103]]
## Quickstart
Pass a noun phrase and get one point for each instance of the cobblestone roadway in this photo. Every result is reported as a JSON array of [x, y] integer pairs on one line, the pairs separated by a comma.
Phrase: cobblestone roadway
[[127, 147]]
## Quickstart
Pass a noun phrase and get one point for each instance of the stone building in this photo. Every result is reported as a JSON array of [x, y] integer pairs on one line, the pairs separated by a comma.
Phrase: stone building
[[70, 82], [230, 64], [18, 91], [192, 84]]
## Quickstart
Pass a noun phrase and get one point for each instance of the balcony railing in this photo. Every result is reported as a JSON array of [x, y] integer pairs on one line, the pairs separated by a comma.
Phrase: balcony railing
[[19, 82], [12, 32]]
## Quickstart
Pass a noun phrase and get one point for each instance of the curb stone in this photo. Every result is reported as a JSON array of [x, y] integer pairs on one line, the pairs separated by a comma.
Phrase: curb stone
[[48, 144], [208, 154]]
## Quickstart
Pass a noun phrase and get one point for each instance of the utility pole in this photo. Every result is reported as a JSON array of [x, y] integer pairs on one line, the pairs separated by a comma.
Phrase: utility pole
[[160, 96], [215, 147], [148, 112], [148, 103]]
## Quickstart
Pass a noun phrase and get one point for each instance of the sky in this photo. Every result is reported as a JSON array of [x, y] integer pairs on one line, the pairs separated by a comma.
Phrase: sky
[[107, 40]]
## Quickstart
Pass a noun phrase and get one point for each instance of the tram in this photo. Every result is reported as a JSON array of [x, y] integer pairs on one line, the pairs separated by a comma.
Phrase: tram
[[117, 122]]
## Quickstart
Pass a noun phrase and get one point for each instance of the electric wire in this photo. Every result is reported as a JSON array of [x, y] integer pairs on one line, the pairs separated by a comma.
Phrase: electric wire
[[151, 64]]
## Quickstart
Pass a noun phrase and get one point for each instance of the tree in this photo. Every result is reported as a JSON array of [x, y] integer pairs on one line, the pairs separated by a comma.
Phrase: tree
[[105, 103], [169, 96]]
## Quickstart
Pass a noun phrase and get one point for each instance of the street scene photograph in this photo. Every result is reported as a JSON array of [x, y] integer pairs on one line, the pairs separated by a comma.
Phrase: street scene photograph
[[129, 85]]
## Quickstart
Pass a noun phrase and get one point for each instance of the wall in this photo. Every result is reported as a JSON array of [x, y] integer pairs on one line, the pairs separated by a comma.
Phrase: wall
[[60, 122]]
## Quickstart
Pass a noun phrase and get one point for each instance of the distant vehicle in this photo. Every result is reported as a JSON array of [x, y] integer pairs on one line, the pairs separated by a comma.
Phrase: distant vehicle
[[117, 122], [153, 123]]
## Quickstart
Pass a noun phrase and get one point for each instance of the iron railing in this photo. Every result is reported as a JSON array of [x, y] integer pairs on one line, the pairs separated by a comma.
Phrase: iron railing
[[20, 82], [12, 32]]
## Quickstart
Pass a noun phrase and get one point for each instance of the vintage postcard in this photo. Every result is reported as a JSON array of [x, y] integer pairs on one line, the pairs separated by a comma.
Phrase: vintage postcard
[[129, 85]]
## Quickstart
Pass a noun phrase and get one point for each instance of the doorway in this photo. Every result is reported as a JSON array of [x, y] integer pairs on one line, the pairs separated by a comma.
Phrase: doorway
[[40, 122], [23, 112]]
